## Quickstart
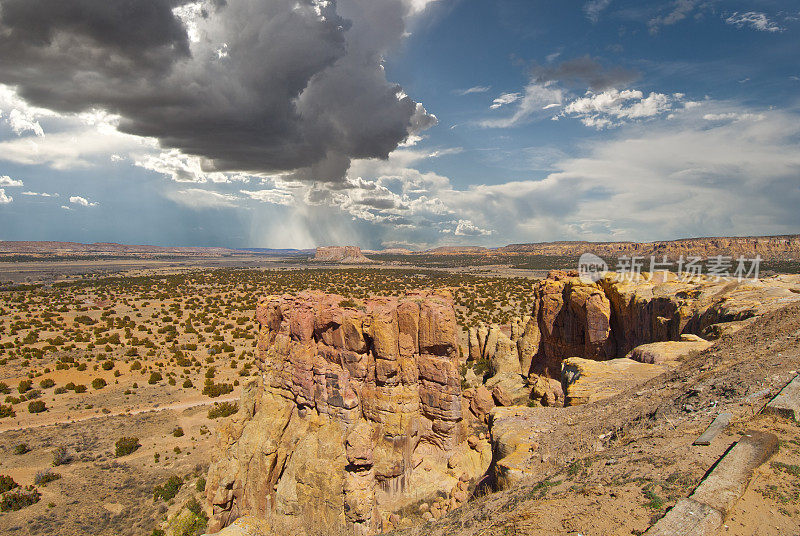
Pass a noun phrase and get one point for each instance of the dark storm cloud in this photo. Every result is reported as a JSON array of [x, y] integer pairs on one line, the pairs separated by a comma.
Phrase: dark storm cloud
[[584, 71], [270, 85]]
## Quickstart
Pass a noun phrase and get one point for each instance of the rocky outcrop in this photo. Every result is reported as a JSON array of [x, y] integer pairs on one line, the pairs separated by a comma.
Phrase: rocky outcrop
[[341, 255], [662, 352], [358, 412], [608, 319], [584, 381]]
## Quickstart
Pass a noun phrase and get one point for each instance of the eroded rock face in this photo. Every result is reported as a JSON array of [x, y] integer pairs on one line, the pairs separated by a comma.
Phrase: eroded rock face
[[350, 404], [609, 318]]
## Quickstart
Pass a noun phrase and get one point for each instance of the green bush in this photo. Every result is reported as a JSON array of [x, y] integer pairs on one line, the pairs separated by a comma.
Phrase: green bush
[[98, 383], [155, 377], [24, 386], [125, 446], [201, 484], [214, 390], [80, 388], [178, 432], [187, 384], [7, 411], [44, 477], [136, 365], [225, 409], [46, 383], [7, 483], [22, 448], [168, 491], [19, 499], [59, 390], [108, 365], [37, 406]]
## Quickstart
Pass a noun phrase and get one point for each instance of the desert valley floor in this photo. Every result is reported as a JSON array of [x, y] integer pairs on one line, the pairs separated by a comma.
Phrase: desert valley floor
[[115, 384]]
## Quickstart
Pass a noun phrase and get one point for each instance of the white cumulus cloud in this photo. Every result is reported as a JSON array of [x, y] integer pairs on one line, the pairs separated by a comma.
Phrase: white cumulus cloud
[[5, 199], [613, 108], [7, 181], [81, 201]]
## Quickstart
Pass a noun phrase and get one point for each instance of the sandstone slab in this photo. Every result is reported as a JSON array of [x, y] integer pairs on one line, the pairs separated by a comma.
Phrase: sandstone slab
[[585, 381]]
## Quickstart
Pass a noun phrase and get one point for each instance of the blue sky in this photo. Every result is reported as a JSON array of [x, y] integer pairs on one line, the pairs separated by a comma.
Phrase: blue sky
[[430, 123]]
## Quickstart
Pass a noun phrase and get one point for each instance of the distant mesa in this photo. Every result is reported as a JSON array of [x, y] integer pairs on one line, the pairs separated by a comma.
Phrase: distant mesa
[[341, 255]]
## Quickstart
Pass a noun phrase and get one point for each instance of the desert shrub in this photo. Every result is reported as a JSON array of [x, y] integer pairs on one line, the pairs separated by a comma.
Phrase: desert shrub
[[80, 388], [46, 383], [157, 532], [82, 367], [187, 384], [214, 390], [211, 372], [7, 483], [125, 446], [136, 365], [178, 432], [108, 365], [19, 499], [7, 411], [59, 390], [171, 381], [22, 448], [188, 524], [225, 409], [155, 377], [201, 484], [98, 383], [4, 388], [36, 406], [24, 386], [33, 394], [61, 456], [194, 507], [44, 477], [170, 488]]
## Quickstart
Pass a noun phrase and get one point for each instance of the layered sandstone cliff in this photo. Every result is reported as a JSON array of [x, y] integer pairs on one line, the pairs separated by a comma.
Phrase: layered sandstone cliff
[[341, 255], [358, 411], [768, 247], [609, 318]]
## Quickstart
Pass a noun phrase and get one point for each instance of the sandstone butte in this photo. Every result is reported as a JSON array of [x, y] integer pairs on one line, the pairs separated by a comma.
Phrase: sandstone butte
[[360, 411], [341, 254]]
